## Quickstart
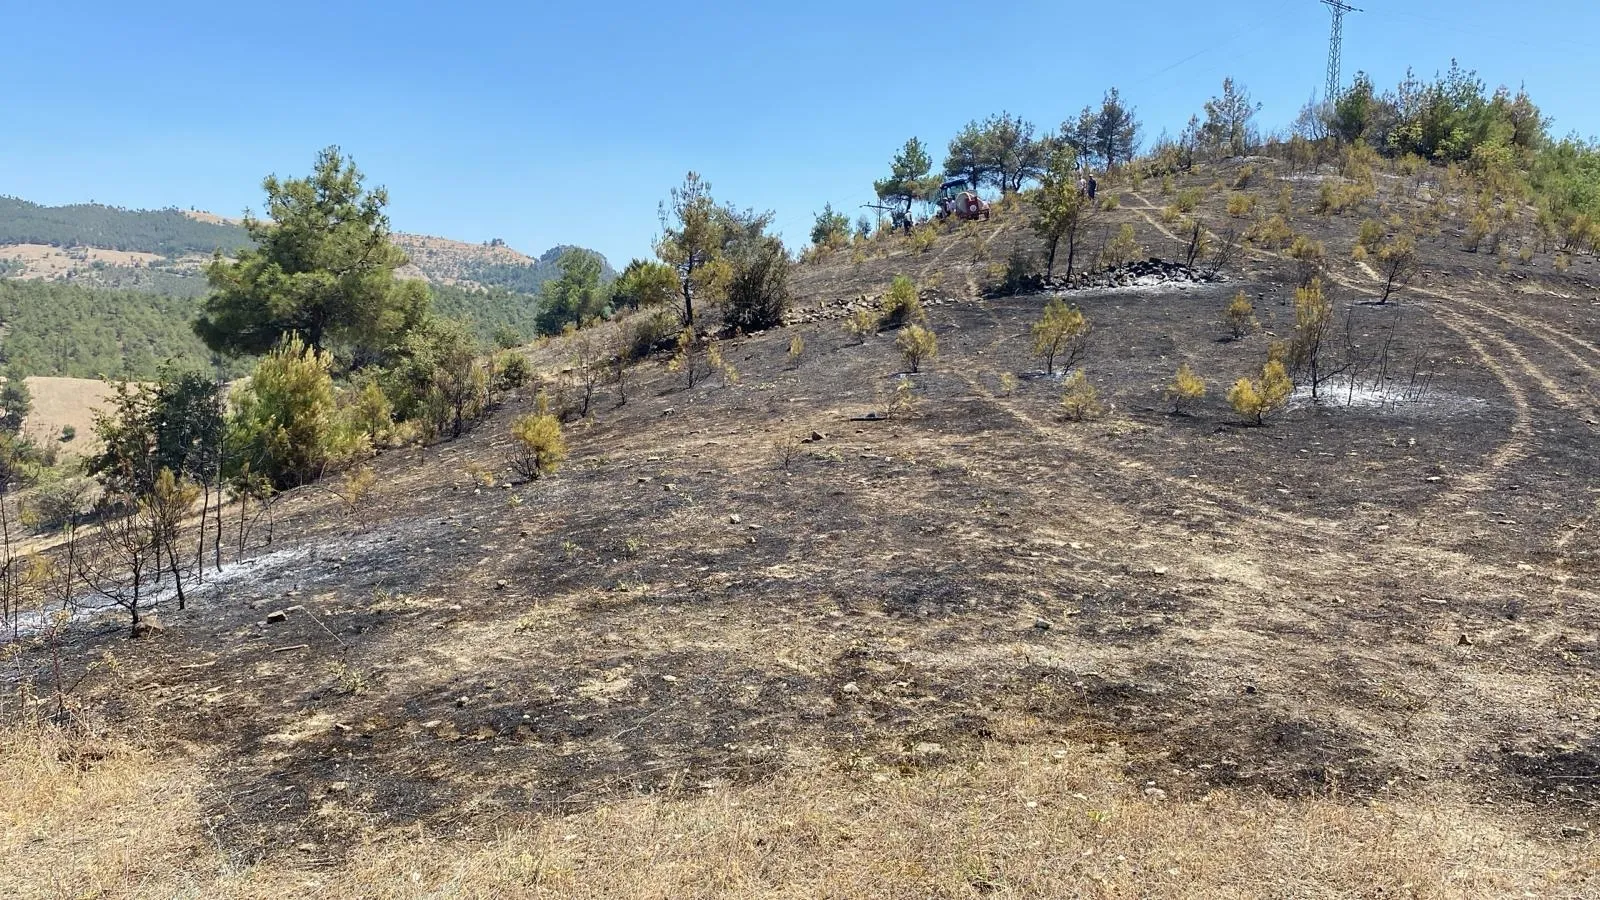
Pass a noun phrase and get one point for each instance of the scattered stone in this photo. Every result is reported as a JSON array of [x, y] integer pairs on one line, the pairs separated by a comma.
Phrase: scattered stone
[[1464, 641], [338, 787], [500, 584], [735, 519], [277, 616], [1042, 625], [1573, 831], [928, 748], [818, 436], [850, 688], [1155, 793]]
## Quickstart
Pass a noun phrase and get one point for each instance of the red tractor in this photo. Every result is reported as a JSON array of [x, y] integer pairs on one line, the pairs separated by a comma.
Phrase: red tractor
[[956, 199]]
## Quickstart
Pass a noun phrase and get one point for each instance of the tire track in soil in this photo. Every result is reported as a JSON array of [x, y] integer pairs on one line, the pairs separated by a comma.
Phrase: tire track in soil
[[1517, 447], [1221, 498]]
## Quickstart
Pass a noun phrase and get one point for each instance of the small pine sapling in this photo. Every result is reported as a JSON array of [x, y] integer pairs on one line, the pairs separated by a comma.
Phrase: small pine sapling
[[1186, 389], [861, 323], [720, 365], [686, 359], [1397, 263], [1256, 400], [901, 305], [1079, 400], [903, 401], [1062, 331], [917, 344], [537, 447], [1240, 316], [797, 347]]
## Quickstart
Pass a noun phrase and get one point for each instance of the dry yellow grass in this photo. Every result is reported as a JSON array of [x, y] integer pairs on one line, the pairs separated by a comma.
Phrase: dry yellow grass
[[45, 261], [1033, 820], [58, 402]]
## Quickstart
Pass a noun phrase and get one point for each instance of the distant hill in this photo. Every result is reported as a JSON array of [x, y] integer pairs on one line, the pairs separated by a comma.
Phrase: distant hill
[[169, 233], [59, 243], [89, 290]]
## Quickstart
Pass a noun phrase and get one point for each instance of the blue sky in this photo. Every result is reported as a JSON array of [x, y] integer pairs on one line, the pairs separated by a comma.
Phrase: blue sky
[[546, 123]]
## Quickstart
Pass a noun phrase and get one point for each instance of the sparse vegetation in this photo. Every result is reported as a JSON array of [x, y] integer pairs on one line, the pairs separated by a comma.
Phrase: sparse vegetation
[[1121, 249], [1397, 263], [1079, 399], [1186, 389], [916, 345], [1062, 331], [537, 445], [1256, 400], [1240, 316], [901, 305]]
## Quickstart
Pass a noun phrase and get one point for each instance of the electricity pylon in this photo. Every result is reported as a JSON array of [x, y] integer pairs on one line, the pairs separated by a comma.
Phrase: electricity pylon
[[1336, 45]]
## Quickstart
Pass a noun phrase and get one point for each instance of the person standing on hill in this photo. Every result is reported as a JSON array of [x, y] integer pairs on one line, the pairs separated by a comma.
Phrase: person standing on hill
[[1092, 186]]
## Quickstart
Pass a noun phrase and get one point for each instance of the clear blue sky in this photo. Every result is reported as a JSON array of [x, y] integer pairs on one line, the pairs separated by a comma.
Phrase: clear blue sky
[[545, 123]]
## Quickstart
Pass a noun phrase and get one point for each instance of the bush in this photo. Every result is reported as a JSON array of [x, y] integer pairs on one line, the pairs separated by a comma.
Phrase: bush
[[1246, 175], [1166, 185], [1186, 389], [916, 344], [1563, 262], [68, 433], [1333, 199], [1109, 202], [1062, 331], [901, 305], [1273, 233], [1478, 229], [511, 370], [758, 291], [58, 502], [1240, 205], [369, 412], [797, 347], [903, 402], [537, 447], [1171, 215], [861, 323], [1371, 235], [644, 333], [506, 337], [1188, 199], [1018, 270], [923, 237], [1079, 400], [283, 422], [1122, 249], [1257, 400], [1310, 255]]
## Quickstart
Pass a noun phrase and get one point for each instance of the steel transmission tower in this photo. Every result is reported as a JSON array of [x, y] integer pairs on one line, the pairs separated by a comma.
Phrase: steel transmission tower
[[1336, 46]]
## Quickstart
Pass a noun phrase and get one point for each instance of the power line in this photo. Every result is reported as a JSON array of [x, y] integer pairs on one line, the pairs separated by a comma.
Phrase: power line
[[1336, 45]]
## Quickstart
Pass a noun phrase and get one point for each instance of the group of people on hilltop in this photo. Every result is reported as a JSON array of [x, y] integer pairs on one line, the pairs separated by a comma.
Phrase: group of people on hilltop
[[1087, 186]]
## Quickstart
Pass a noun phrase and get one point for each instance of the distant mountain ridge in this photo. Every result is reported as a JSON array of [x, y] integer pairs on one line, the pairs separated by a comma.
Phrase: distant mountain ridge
[[89, 290], [183, 239]]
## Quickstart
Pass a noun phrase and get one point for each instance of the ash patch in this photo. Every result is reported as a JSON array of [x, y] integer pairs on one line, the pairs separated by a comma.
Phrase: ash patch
[[1562, 772]]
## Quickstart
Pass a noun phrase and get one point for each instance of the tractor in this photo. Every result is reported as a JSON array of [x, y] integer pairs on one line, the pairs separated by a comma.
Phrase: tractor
[[956, 199]]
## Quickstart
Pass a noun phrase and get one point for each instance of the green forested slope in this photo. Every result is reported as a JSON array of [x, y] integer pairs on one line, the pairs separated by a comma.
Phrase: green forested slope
[[164, 231], [62, 329]]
